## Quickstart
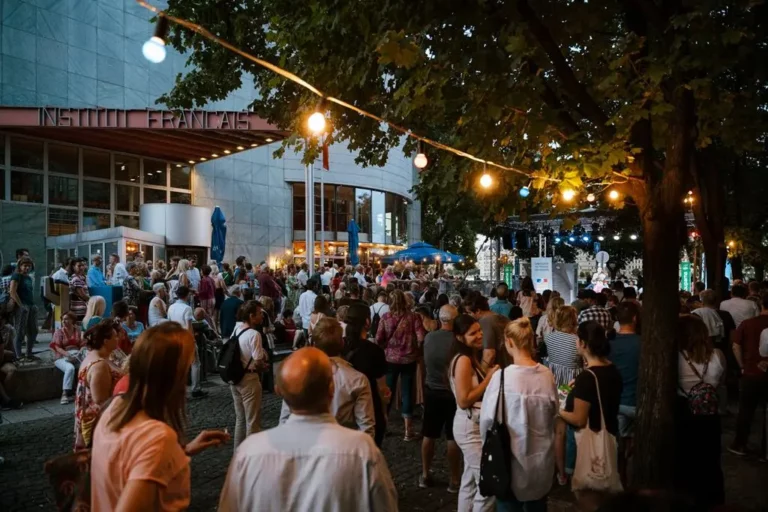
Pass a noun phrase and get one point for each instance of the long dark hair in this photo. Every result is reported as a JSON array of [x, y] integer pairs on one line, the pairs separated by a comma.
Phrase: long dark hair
[[592, 334], [357, 317], [527, 286], [461, 326]]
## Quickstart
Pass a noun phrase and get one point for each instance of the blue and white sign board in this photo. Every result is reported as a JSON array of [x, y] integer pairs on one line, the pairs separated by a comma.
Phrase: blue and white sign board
[[541, 274]]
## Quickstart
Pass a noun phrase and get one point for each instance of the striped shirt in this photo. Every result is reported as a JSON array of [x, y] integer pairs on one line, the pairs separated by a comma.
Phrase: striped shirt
[[563, 357]]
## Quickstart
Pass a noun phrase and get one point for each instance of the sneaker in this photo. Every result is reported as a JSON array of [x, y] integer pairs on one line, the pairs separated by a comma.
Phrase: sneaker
[[424, 482], [736, 450], [199, 393], [562, 479], [64, 398], [410, 436], [453, 488]]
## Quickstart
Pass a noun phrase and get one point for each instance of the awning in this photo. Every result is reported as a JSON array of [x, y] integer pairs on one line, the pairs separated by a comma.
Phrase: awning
[[179, 136]]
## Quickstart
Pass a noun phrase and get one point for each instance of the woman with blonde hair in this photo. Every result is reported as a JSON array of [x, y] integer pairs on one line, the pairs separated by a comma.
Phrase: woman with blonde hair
[[547, 321], [160, 267], [566, 364], [178, 278], [530, 405], [94, 311], [139, 459]]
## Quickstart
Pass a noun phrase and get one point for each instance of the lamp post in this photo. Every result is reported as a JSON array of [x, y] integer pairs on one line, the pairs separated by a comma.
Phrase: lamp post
[[316, 125]]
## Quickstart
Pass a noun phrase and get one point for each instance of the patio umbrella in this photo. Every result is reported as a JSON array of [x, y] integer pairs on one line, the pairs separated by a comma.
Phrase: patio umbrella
[[354, 241], [421, 252], [218, 235]]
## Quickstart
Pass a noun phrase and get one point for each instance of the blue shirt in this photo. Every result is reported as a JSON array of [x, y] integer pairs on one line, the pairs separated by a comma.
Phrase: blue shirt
[[135, 332], [502, 307], [625, 355], [95, 277]]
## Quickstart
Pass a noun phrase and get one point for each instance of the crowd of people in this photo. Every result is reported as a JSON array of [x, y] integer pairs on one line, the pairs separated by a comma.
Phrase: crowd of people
[[560, 378]]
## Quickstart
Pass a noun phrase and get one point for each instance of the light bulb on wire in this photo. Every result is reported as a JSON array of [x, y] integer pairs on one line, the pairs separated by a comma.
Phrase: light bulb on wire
[[591, 198], [486, 180], [525, 191], [154, 49], [613, 195], [569, 194], [421, 159], [316, 123]]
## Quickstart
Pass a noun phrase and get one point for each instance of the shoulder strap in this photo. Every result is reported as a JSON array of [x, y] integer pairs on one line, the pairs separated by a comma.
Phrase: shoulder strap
[[501, 399], [693, 368], [599, 401]]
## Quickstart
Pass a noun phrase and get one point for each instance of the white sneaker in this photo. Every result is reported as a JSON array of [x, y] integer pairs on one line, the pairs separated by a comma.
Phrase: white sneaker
[[64, 398]]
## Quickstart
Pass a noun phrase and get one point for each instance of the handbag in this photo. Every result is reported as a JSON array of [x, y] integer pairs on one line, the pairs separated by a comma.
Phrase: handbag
[[596, 456], [496, 460]]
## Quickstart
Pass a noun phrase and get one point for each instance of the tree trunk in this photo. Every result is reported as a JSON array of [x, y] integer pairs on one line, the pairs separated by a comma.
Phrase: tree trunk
[[654, 462], [709, 215], [737, 268], [759, 271]]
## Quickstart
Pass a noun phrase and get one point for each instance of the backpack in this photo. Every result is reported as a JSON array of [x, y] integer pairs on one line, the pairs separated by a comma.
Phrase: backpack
[[702, 398], [375, 323], [229, 365]]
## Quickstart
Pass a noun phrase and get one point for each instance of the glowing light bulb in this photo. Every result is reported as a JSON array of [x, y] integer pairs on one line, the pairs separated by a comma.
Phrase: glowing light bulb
[[601, 238], [633, 237], [569, 194], [613, 195], [616, 237], [525, 192], [731, 243], [591, 198], [486, 181], [316, 122], [420, 161], [154, 50]]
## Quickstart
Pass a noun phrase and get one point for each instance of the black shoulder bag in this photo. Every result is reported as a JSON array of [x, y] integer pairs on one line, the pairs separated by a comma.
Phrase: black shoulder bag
[[496, 461]]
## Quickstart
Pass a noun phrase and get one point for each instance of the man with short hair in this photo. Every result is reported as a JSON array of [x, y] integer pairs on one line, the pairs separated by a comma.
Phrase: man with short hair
[[353, 296], [502, 306], [193, 273], [352, 403], [618, 290], [181, 313], [439, 402], [325, 279], [360, 276], [302, 276], [380, 307], [493, 330], [95, 277], [119, 272], [307, 304], [312, 461], [21, 292], [738, 306], [708, 313], [754, 380], [229, 309], [61, 276], [595, 311]]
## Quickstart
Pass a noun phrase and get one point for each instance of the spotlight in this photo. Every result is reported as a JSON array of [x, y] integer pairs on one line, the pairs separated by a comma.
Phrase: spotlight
[[316, 123], [616, 237], [571, 238], [569, 194], [600, 238], [613, 195], [585, 238], [154, 49], [591, 198], [558, 239], [525, 191]]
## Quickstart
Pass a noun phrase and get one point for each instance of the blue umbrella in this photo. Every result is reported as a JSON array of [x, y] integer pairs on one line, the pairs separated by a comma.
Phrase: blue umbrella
[[218, 235], [421, 252], [354, 241]]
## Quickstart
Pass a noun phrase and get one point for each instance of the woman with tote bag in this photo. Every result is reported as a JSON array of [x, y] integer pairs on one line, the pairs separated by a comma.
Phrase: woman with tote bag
[[593, 408]]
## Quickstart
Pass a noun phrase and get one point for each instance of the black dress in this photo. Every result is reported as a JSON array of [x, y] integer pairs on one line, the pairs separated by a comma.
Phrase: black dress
[[368, 358]]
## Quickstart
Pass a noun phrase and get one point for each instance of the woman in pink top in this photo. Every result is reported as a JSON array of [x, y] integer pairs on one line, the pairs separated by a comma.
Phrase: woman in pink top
[[139, 460]]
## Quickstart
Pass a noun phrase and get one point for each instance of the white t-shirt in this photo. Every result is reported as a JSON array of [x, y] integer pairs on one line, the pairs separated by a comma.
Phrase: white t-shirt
[[361, 279], [740, 309], [380, 308], [251, 349], [193, 275], [306, 306], [181, 313], [156, 312], [325, 278], [119, 274], [60, 275], [302, 277], [687, 379], [531, 406], [712, 320]]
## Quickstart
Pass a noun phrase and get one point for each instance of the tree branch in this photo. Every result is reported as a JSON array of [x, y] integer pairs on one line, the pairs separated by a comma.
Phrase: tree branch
[[571, 83], [548, 95]]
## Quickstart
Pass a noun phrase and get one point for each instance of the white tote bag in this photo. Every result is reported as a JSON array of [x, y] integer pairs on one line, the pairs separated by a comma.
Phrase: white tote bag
[[596, 457]]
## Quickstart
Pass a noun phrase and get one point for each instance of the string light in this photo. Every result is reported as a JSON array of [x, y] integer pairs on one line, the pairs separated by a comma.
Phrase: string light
[[613, 195], [569, 194], [600, 238], [591, 198], [525, 191], [486, 180], [616, 237], [316, 123], [633, 236], [154, 49], [731, 244]]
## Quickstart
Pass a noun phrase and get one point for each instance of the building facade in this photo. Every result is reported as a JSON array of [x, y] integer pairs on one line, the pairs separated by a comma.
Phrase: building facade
[[86, 54]]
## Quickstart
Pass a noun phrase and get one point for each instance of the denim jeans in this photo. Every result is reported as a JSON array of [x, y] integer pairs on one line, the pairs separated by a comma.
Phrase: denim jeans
[[570, 450], [408, 371], [70, 371], [513, 505], [25, 323]]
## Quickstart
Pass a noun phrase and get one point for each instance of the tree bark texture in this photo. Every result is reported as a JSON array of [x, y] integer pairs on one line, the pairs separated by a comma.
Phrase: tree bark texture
[[709, 216], [654, 462]]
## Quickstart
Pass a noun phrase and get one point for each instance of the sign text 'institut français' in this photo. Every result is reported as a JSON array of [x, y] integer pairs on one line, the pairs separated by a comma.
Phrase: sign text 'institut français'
[[158, 119]]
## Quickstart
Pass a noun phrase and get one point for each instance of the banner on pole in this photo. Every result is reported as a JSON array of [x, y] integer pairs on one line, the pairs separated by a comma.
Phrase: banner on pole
[[541, 274]]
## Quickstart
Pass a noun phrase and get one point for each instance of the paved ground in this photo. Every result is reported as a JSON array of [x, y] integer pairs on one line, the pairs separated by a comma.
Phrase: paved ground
[[41, 431]]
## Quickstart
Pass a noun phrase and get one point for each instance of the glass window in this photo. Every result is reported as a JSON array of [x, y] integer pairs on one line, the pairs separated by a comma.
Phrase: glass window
[[363, 215], [126, 168], [96, 194], [148, 252], [129, 221], [27, 153], [127, 198], [82, 251], [181, 177], [96, 164], [160, 253], [328, 210], [153, 195], [299, 222], [389, 218], [94, 220], [401, 220], [61, 222], [26, 187], [62, 191], [377, 217], [181, 198], [2, 149], [155, 172], [345, 206], [2, 184], [110, 247], [62, 159]]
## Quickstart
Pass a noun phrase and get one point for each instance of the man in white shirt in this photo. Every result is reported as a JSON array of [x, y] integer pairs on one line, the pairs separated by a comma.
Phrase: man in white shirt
[[352, 403], [708, 313], [119, 273], [61, 274], [334, 270], [158, 311], [738, 306], [306, 306], [381, 305], [193, 273], [302, 276], [325, 280], [182, 314], [310, 462], [360, 276]]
